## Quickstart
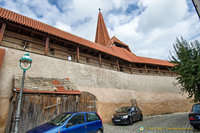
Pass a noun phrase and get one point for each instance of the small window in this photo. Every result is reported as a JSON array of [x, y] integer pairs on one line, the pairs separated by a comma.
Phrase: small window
[[87, 60], [164, 73], [69, 57], [52, 51], [92, 117], [121, 69], [77, 119], [26, 45]]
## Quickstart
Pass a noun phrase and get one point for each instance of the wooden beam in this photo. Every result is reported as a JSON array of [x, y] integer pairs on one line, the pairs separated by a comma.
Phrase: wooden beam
[[100, 60], [47, 46], [3, 27], [77, 53], [117, 65]]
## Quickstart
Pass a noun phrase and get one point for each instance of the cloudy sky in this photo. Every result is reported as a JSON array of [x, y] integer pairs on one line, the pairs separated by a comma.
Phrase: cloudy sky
[[149, 27]]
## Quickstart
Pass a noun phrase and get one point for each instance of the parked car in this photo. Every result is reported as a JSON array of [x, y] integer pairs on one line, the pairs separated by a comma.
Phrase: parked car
[[127, 115], [194, 116], [72, 122]]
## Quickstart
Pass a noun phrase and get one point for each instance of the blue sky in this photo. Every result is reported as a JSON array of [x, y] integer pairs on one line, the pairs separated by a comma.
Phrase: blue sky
[[149, 27]]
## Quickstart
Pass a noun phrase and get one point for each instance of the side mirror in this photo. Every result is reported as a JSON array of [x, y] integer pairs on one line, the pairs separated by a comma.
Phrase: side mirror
[[68, 125]]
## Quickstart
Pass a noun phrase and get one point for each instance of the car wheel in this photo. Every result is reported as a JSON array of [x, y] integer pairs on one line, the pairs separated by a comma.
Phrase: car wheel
[[99, 131], [141, 117], [195, 127], [130, 121]]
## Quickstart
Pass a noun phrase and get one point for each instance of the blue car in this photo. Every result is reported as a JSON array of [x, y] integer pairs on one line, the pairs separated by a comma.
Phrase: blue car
[[72, 122]]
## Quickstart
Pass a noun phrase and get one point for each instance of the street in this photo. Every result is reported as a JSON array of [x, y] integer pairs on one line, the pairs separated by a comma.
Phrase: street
[[169, 123]]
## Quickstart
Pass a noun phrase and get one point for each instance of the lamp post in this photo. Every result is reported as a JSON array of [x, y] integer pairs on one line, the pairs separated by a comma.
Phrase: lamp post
[[25, 64]]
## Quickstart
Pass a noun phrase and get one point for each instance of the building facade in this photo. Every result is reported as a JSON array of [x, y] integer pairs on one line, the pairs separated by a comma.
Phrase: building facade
[[106, 68]]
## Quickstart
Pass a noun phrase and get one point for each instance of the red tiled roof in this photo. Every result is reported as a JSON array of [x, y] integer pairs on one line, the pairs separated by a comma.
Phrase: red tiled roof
[[114, 51], [75, 92], [115, 39], [102, 36]]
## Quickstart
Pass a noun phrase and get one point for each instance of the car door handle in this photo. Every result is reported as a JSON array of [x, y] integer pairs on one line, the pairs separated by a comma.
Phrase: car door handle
[[85, 126]]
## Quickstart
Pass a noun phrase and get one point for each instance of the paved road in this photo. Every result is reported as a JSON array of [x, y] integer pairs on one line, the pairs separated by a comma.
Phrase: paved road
[[171, 123]]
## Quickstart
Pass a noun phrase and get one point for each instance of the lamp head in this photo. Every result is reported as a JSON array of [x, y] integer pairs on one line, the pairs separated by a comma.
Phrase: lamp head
[[25, 62]]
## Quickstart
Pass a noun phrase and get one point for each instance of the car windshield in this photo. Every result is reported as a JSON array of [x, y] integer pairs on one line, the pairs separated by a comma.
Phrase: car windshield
[[60, 119], [123, 109], [196, 108]]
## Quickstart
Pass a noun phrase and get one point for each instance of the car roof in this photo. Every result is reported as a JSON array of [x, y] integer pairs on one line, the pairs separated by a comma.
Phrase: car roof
[[197, 104], [78, 112]]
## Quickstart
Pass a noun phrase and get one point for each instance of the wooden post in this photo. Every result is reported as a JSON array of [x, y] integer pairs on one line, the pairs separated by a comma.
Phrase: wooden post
[[77, 50], [158, 70], [46, 46], [117, 65], [146, 68], [130, 68], [100, 60], [170, 71], [3, 27]]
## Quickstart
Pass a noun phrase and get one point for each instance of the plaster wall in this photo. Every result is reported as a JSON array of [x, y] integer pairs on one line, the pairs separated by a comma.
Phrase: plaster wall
[[101, 82]]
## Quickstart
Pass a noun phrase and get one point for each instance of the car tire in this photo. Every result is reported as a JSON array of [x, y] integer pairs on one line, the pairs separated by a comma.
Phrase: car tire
[[99, 131], [130, 121], [141, 117], [195, 127]]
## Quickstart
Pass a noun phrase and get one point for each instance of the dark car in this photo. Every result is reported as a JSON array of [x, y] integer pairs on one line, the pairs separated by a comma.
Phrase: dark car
[[194, 116], [72, 122], [127, 115]]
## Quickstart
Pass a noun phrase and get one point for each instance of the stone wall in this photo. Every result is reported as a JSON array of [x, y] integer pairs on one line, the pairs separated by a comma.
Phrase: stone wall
[[99, 80], [151, 103]]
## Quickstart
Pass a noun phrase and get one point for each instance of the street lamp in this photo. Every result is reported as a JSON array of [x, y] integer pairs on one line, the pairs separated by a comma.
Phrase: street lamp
[[25, 64]]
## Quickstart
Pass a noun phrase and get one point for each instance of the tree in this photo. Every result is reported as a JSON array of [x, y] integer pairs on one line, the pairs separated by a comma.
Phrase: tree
[[187, 65]]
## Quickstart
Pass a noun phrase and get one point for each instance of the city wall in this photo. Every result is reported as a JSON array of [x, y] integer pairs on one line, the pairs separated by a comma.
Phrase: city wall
[[154, 94]]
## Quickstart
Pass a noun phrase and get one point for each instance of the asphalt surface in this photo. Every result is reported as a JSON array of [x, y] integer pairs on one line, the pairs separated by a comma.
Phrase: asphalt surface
[[170, 123]]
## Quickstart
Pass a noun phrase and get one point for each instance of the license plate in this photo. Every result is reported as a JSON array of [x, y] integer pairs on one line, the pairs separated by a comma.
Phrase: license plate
[[117, 120]]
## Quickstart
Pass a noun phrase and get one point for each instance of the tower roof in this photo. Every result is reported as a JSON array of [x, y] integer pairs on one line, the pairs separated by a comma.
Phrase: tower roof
[[102, 36]]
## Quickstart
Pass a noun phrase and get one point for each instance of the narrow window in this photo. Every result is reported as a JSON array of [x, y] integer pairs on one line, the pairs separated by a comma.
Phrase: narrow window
[[51, 51], [121, 69], [87, 60]]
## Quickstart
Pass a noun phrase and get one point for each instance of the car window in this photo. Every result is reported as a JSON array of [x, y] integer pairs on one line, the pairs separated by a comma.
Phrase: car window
[[77, 119], [136, 109], [196, 108], [123, 109], [92, 117], [60, 119], [133, 109]]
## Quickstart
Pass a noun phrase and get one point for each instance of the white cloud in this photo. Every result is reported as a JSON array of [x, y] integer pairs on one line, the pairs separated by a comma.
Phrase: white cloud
[[62, 26], [150, 32]]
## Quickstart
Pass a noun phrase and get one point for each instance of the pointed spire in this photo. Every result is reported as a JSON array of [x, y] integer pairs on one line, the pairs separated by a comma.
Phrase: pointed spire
[[102, 36]]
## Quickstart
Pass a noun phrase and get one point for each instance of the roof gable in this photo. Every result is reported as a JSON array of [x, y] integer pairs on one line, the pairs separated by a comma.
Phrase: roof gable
[[120, 43]]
